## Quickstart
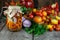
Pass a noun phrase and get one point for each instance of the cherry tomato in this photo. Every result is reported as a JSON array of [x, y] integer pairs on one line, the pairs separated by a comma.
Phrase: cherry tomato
[[31, 16], [58, 21], [57, 29], [44, 13], [39, 14], [51, 29], [37, 19]]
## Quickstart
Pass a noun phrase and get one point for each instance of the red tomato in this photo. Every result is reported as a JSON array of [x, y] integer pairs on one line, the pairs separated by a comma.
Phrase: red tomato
[[54, 27], [48, 12], [31, 16], [58, 21], [57, 29], [37, 19], [39, 14]]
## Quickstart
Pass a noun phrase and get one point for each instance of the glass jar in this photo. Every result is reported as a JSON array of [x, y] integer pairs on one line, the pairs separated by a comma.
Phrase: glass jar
[[14, 24], [13, 18]]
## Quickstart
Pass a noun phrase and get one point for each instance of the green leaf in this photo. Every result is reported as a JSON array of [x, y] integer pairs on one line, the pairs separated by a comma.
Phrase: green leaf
[[31, 31]]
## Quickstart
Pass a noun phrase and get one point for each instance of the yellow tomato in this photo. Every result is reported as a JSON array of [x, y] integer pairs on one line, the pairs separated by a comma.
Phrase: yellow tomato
[[34, 10], [49, 26], [57, 17], [44, 13], [37, 19], [52, 11], [54, 21]]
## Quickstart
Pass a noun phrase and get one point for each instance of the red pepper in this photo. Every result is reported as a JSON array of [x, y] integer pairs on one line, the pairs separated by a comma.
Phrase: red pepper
[[27, 3], [57, 7]]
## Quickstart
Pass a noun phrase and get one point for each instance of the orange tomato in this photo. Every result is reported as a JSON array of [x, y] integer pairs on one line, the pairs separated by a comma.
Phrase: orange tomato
[[44, 13], [37, 19], [51, 29], [52, 11], [44, 18]]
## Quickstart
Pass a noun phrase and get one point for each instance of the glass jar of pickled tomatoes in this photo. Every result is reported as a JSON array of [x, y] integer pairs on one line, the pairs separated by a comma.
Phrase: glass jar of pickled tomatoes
[[13, 19]]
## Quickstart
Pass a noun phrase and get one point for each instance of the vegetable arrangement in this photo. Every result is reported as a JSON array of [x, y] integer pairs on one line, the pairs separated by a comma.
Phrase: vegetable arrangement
[[37, 21], [41, 20]]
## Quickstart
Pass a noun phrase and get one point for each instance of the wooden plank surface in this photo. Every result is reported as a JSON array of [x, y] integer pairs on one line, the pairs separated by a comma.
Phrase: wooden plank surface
[[5, 34], [49, 36]]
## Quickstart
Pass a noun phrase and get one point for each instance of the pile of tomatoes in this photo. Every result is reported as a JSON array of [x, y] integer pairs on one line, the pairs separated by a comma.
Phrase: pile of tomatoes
[[49, 15]]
